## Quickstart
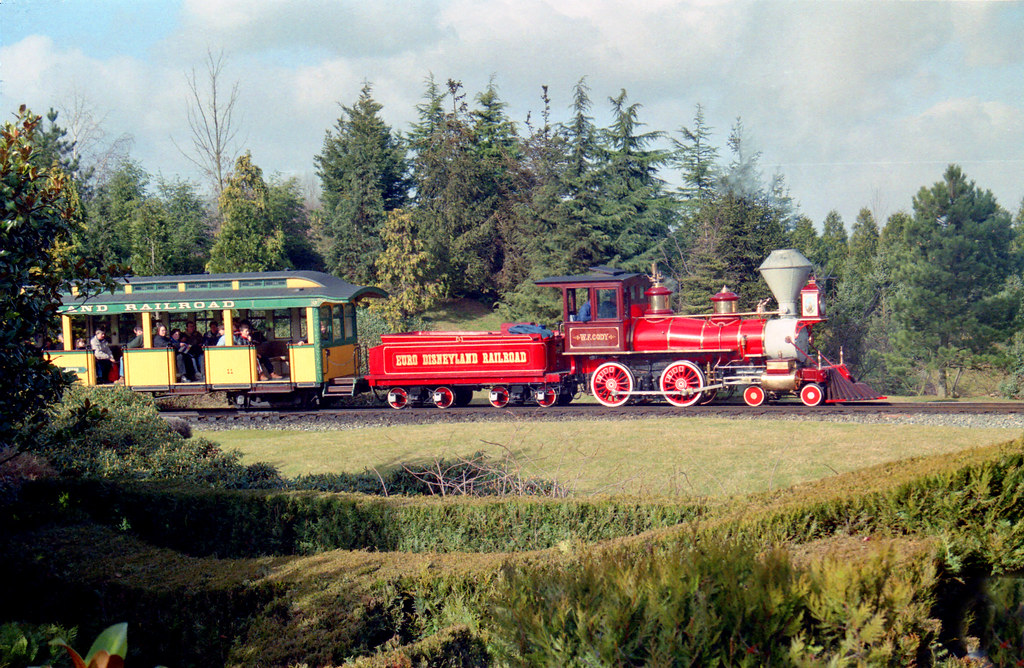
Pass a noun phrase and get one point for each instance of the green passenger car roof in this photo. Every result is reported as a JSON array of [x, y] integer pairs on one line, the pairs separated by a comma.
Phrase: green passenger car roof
[[210, 292]]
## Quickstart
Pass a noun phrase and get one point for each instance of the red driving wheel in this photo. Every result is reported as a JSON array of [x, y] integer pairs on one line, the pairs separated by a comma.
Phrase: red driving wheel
[[682, 376], [611, 384]]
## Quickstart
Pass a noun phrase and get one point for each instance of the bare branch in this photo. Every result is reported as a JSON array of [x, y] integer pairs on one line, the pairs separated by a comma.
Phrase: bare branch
[[211, 122]]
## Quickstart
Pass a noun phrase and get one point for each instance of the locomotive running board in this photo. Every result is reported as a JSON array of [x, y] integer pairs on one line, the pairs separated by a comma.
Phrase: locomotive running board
[[662, 393]]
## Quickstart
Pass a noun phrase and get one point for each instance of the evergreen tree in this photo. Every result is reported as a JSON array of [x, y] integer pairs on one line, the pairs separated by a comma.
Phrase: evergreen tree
[[530, 245], [190, 236], [804, 237], [363, 174], [150, 227], [107, 232], [407, 271], [956, 257], [288, 213], [697, 158], [459, 196], [247, 240], [578, 240], [833, 247], [635, 211], [855, 303]]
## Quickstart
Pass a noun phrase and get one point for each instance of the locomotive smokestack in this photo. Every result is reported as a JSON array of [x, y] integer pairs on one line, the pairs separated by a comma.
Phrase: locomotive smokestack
[[785, 272]]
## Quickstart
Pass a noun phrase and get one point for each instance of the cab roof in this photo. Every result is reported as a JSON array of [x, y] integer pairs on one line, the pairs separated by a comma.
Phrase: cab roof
[[600, 274]]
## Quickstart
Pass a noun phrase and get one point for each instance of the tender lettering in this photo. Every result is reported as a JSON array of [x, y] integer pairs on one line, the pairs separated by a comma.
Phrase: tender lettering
[[505, 357]]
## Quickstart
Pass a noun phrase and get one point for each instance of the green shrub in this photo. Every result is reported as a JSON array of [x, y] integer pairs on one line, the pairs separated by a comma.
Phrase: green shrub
[[717, 603], [112, 432]]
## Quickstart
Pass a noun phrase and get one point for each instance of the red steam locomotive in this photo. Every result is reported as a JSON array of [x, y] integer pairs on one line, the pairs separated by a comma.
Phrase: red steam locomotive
[[620, 341]]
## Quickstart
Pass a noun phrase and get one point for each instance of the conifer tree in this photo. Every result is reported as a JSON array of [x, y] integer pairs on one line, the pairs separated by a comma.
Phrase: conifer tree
[[364, 174], [635, 211], [459, 196], [956, 256], [406, 271], [190, 235], [107, 232], [247, 240], [697, 158]]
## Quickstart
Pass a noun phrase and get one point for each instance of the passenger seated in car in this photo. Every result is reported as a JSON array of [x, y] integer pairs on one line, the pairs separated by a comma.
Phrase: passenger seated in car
[[252, 337], [194, 339], [104, 357], [186, 363]]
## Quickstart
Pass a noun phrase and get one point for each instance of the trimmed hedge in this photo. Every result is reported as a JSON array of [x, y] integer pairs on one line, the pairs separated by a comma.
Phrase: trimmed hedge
[[233, 524]]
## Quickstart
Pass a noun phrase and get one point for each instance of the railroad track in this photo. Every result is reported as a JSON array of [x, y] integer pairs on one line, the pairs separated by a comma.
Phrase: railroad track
[[379, 416]]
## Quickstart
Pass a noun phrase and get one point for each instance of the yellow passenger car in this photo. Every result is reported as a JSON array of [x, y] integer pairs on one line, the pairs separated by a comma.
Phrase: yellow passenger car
[[302, 343]]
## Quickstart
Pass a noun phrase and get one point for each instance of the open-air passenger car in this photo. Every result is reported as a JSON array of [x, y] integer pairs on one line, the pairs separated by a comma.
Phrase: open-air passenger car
[[306, 321]]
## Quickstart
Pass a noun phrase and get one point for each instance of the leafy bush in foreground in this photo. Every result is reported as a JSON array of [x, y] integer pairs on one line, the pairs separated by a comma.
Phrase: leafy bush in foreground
[[116, 433]]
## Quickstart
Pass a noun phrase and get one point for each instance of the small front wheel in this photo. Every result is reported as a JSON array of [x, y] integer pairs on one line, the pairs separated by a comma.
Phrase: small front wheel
[[812, 394], [498, 396], [754, 396], [546, 397]]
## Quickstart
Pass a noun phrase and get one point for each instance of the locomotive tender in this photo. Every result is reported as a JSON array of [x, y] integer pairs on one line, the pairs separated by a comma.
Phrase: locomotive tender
[[620, 339]]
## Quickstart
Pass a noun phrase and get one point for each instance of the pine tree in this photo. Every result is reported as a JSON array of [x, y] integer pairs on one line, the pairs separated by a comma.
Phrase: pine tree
[[107, 233], [364, 174], [697, 158], [804, 237], [150, 239], [635, 212], [956, 256], [833, 247], [247, 240], [288, 213], [458, 196], [190, 236]]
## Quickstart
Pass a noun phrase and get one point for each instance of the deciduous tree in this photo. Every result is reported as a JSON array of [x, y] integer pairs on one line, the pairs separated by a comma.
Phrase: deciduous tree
[[40, 211]]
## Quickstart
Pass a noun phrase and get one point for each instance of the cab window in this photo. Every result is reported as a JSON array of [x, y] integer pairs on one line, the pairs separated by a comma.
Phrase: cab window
[[607, 304], [578, 304]]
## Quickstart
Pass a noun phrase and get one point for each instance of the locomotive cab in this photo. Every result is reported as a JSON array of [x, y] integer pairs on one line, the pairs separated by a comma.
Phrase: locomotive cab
[[598, 308]]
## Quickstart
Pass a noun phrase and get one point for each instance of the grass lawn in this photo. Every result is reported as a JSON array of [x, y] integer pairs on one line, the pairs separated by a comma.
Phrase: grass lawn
[[712, 457]]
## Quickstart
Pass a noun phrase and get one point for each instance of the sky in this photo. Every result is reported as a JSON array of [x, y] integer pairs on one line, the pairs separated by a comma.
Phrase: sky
[[856, 104]]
